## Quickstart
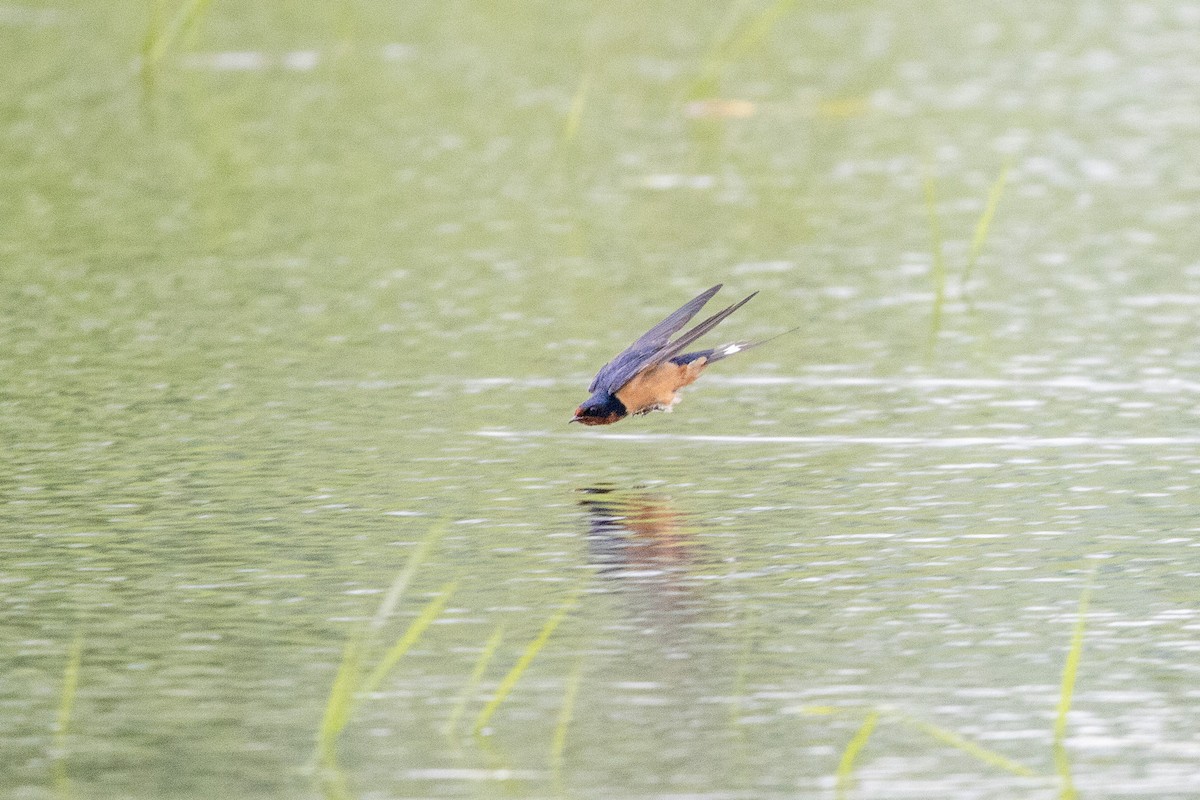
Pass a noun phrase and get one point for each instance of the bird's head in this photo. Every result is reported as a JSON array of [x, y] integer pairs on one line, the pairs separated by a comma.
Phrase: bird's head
[[600, 409]]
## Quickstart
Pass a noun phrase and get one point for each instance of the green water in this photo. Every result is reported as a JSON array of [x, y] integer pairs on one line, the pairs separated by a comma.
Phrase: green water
[[288, 286]]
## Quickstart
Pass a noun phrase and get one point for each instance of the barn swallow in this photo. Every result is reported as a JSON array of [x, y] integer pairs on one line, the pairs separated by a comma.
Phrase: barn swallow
[[647, 375]]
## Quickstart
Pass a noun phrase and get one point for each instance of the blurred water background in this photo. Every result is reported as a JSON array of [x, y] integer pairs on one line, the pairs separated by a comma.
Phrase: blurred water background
[[295, 295]]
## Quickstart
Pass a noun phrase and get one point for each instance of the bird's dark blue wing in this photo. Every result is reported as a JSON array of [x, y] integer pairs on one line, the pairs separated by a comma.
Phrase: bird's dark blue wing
[[726, 350], [616, 373], [676, 347]]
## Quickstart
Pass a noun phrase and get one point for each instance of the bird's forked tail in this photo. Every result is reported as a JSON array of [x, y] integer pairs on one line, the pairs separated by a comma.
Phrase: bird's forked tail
[[725, 350]]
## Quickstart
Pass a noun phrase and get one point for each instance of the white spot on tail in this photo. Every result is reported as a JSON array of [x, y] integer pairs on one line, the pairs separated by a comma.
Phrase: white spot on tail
[[731, 349]]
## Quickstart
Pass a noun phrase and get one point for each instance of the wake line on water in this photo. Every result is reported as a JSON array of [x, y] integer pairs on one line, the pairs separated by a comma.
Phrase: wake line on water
[[819, 381], [1080, 384], [1150, 386], [882, 441]]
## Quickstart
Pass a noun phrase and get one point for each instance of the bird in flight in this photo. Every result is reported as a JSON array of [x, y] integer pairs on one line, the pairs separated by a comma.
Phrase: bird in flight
[[648, 374]]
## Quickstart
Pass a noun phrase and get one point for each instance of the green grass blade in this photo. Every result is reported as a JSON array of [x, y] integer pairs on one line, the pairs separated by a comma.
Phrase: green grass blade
[[514, 674], [728, 50], [158, 42], [345, 686], [399, 586], [331, 782], [347, 25], [709, 74], [985, 223], [66, 702], [1071, 667], [558, 744], [1062, 765], [757, 30], [575, 115], [1066, 694], [341, 699], [414, 631], [481, 665], [62, 721], [938, 272], [739, 681], [845, 770], [154, 28], [821, 711], [967, 746]]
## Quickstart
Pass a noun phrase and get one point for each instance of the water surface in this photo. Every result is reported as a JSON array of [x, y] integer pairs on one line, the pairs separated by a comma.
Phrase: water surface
[[286, 290]]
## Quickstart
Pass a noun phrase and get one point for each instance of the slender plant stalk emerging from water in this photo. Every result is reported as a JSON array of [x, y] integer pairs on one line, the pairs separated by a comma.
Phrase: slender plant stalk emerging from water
[[558, 745], [987, 756], [984, 223], [66, 703], [729, 49], [514, 674], [349, 683], [845, 770], [414, 631], [938, 271], [971, 748], [481, 665], [62, 722], [1066, 693], [159, 40], [571, 126]]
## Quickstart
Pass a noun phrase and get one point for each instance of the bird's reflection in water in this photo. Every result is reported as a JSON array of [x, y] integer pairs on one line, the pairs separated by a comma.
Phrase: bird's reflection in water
[[648, 552], [639, 538]]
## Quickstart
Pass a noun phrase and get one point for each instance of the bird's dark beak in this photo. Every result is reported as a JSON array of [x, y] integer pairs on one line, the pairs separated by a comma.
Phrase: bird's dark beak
[[574, 419]]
